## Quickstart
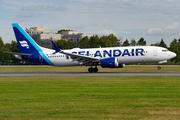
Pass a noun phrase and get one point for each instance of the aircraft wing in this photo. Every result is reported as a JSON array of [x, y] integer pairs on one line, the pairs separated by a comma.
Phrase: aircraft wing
[[19, 54], [83, 60]]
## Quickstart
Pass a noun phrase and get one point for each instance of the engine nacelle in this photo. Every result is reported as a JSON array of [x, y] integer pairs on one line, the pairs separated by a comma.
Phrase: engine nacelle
[[110, 62]]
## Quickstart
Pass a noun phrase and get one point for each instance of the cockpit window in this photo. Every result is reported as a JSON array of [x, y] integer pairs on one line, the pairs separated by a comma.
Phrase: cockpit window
[[165, 50]]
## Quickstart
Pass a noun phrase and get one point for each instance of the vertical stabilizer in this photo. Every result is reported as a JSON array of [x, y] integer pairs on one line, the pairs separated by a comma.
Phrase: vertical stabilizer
[[57, 50], [25, 43], [28, 46]]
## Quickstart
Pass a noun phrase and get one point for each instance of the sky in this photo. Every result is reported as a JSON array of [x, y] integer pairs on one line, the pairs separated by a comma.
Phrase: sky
[[127, 19]]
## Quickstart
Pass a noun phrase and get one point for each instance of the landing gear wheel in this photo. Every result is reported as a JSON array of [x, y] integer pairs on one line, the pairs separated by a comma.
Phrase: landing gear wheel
[[95, 70], [159, 67], [90, 70]]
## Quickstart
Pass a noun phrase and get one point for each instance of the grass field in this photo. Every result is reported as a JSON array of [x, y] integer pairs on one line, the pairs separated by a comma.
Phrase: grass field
[[107, 98], [145, 68]]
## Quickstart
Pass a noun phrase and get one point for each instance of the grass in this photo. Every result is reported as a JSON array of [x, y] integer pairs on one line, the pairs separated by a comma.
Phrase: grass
[[107, 98], [144, 68]]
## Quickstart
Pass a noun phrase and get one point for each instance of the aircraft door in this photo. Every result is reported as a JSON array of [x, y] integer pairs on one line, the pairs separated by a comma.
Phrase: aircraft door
[[155, 52]]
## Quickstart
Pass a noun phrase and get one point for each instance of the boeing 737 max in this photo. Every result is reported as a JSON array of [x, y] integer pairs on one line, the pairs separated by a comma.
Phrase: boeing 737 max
[[112, 57]]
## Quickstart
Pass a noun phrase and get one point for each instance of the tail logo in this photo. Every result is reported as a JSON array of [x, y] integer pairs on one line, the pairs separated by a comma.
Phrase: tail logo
[[24, 44]]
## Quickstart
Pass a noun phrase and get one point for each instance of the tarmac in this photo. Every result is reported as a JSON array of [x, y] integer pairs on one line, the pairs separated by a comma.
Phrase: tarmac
[[147, 74]]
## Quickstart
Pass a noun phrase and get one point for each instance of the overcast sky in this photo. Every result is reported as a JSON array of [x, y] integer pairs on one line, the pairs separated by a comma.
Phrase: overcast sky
[[126, 19]]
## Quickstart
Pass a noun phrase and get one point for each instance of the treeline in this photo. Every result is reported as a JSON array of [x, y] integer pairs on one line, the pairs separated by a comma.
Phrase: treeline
[[96, 42], [140, 42], [8, 59], [93, 42], [175, 47]]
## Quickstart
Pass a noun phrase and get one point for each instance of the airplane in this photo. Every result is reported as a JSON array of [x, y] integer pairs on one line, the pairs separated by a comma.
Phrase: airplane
[[111, 57]]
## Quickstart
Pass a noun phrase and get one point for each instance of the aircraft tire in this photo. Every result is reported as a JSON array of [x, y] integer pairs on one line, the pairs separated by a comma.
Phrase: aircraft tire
[[90, 70], [159, 67], [95, 70]]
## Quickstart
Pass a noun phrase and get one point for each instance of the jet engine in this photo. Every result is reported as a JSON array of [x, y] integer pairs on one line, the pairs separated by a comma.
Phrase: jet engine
[[109, 62]]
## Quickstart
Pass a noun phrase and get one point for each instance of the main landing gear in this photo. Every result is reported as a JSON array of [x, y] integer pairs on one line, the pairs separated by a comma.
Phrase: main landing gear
[[91, 70]]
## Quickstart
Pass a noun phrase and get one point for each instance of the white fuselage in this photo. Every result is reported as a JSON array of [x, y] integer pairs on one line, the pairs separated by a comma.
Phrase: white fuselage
[[125, 55]]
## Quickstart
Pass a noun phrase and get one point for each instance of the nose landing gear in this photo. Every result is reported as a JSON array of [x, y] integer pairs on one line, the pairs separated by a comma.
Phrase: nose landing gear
[[91, 70], [159, 67]]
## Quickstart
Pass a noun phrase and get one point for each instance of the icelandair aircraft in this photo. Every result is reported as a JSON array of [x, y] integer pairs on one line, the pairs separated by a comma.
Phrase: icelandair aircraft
[[112, 57]]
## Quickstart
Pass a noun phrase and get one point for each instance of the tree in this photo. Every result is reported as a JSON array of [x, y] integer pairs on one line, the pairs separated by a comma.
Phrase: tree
[[141, 42], [156, 44], [133, 42], [162, 44], [59, 31], [5, 57], [112, 40], [104, 41], [83, 42], [7, 47], [8, 58], [63, 44], [1, 44], [14, 46], [93, 42], [174, 47], [126, 43], [108, 41], [70, 45]]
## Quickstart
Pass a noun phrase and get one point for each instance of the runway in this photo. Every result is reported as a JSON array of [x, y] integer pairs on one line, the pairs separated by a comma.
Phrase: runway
[[150, 74]]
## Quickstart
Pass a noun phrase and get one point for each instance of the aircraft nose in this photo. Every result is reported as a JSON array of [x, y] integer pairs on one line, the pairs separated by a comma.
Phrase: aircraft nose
[[173, 54]]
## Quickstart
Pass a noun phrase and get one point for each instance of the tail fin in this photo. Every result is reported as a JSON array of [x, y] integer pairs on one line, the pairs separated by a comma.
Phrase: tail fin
[[25, 43]]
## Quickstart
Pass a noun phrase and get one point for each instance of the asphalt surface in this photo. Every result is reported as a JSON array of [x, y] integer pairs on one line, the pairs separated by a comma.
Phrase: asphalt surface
[[150, 74]]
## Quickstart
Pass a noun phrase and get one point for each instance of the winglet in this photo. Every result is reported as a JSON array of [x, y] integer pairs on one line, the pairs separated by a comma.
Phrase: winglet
[[57, 50]]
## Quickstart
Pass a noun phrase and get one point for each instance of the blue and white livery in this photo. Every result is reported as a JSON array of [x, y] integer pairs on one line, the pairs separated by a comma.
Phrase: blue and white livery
[[112, 57]]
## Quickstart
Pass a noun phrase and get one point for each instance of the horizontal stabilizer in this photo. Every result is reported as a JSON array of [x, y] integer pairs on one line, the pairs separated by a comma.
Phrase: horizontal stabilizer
[[20, 54]]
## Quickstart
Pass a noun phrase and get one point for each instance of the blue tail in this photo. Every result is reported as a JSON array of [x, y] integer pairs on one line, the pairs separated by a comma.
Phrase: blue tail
[[25, 43], [28, 46]]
